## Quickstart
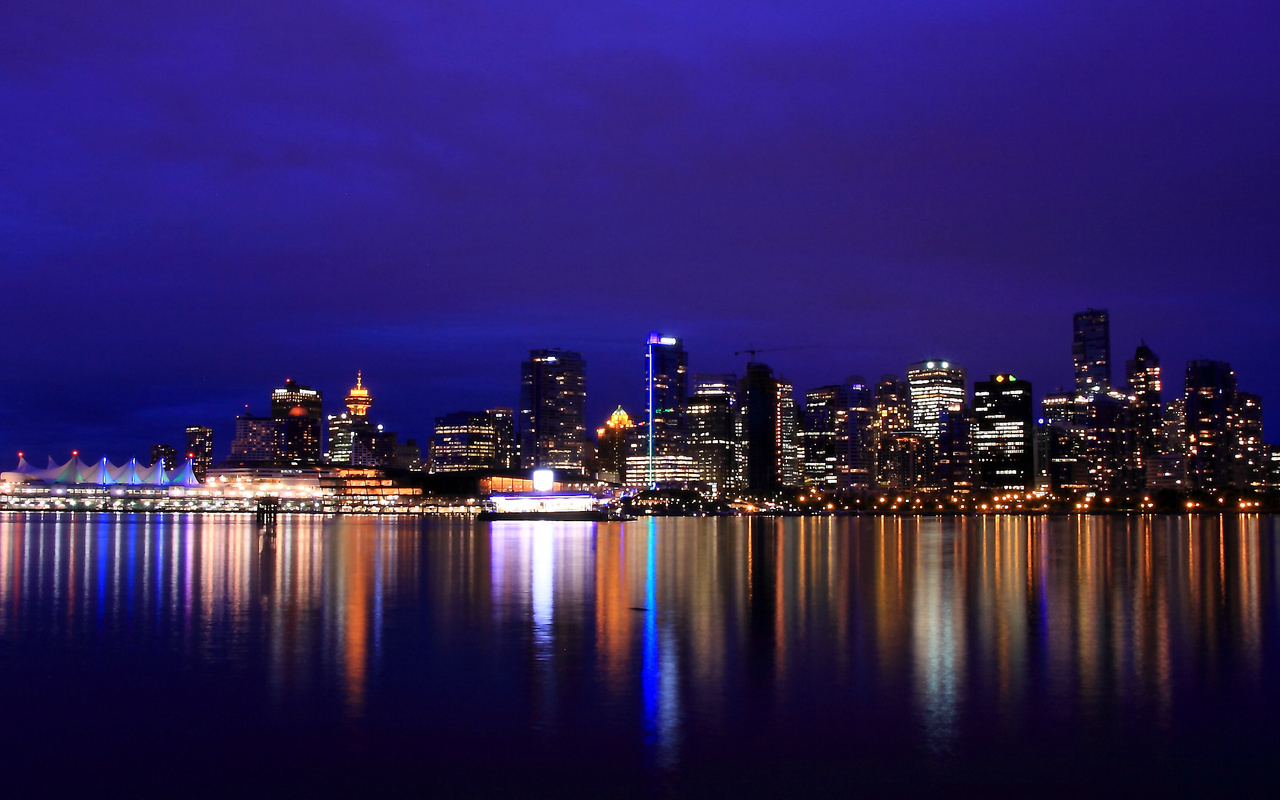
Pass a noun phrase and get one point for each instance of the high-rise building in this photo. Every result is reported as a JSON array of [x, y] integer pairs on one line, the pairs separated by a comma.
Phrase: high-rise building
[[1091, 350], [1210, 394], [790, 456], [666, 392], [838, 437], [552, 398], [759, 395], [1003, 447], [715, 438], [936, 386], [612, 442], [1250, 457], [258, 440], [1143, 372], [892, 413], [200, 449], [1173, 427], [504, 422], [299, 409], [165, 453], [464, 441], [952, 459]]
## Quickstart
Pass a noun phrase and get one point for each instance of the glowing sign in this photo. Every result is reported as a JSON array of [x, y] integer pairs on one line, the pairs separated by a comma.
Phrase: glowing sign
[[543, 480], [667, 340]]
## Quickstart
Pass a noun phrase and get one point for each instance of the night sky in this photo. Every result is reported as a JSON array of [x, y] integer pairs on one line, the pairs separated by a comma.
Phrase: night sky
[[196, 203]]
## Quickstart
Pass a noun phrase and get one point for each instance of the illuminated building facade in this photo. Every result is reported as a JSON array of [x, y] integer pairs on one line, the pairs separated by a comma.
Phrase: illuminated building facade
[[790, 456], [611, 446], [552, 399], [200, 449], [464, 441], [354, 440], [952, 456], [892, 413], [838, 437], [936, 386], [1250, 459], [715, 435], [1143, 373], [258, 440], [1210, 394], [299, 410], [666, 392], [1091, 350], [1003, 447], [504, 422]]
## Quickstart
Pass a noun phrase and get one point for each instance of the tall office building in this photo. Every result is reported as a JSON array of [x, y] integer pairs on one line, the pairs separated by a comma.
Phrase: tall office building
[[258, 440], [464, 441], [666, 392], [790, 456], [1210, 394], [1003, 447], [838, 436], [1143, 372], [299, 409], [1091, 350], [936, 386], [892, 414], [715, 438], [504, 422], [200, 449], [758, 391], [552, 398]]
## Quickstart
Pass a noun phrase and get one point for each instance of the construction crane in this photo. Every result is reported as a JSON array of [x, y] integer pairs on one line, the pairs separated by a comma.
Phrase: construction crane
[[753, 350]]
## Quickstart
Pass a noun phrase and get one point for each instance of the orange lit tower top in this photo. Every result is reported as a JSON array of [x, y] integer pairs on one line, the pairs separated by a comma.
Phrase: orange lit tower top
[[358, 401]]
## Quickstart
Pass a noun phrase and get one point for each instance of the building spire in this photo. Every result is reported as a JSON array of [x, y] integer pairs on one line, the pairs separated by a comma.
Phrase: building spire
[[359, 400]]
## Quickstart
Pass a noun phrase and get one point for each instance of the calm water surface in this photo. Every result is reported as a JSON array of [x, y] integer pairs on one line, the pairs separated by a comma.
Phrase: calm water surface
[[736, 658]]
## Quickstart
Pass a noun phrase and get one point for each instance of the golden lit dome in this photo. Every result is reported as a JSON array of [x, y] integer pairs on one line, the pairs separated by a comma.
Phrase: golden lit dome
[[297, 411], [359, 400], [619, 419]]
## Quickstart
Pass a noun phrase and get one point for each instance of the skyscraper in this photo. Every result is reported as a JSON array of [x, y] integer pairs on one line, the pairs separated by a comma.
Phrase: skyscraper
[[838, 438], [465, 440], [759, 394], [165, 453], [666, 393], [1002, 436], [552, 398], [892, 414], [299, 409], [1091, 350], [790, 456], [936, 386], [1251, 455], [715, 439], [258, 440], [200, 449], [1143, 372], [1210, 394], [354, 440]]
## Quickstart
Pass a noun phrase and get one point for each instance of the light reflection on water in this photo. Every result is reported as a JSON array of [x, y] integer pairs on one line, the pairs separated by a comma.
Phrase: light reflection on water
[[683, 636]]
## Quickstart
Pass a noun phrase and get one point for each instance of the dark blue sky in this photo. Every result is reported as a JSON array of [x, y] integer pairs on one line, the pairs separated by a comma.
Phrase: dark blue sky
[[197, 202]]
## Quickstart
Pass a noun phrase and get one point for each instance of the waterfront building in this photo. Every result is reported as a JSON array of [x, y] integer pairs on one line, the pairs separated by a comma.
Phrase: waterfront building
[[164, 454], [299, 410], [552, 399], [1003, 447], [200, 449], [1091, 350], [936, 386], [1210, 395]]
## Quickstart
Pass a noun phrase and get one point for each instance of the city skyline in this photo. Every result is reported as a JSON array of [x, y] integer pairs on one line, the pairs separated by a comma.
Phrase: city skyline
[[888, 183]]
